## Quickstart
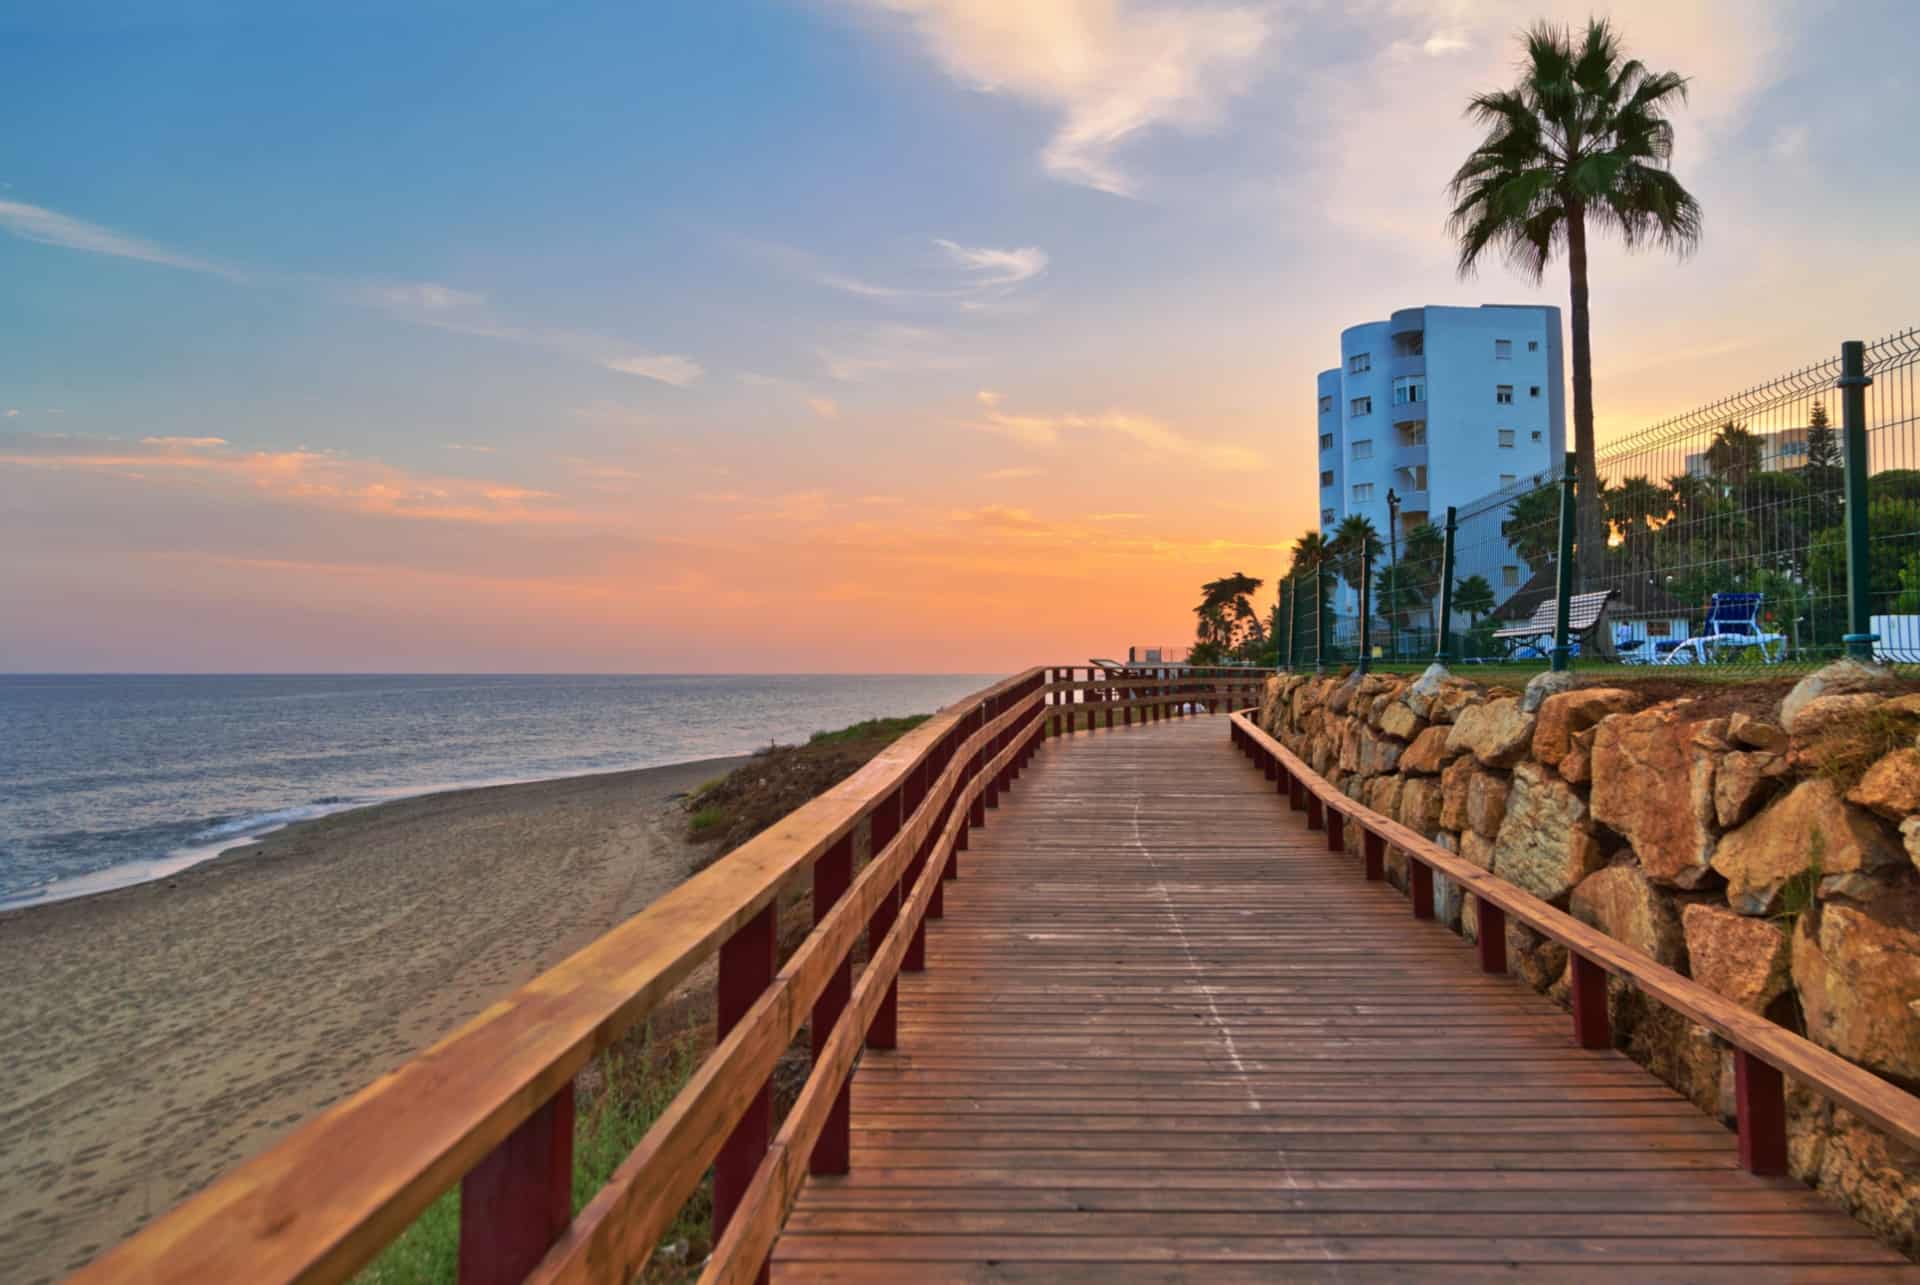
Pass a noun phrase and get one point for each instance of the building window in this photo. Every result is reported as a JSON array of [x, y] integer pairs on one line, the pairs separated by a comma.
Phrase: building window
[[1326, 477], [1503, 394], [1416, 435], [1506, 437], [1659, 629], [1360, 363], [1533, 390], [1326, 402], [1363, 449], [1536, 435], [1326, 441], [1363, 492], [1362, 406], [1510, 576], [1508, 479], [1326, 517], [1419, 474], [1533, 345], [1409, 390]]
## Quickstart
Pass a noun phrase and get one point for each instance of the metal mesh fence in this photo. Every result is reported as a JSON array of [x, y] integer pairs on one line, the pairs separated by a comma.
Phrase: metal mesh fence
[[1727, 542]]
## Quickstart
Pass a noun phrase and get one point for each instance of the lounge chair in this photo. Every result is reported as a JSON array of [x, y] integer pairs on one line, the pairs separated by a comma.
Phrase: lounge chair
[[1733, 622], [1534, 639]]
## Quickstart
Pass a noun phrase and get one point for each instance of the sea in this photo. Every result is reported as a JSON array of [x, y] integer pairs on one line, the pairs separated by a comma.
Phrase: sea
[[107, 781]]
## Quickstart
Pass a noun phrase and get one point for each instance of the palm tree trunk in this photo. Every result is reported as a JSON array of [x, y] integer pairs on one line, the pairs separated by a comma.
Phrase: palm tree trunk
[[1591, 535]]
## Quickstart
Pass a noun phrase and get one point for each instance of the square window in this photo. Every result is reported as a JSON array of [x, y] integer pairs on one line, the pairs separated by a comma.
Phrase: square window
[[1533, 345], [1535, 435], [1503, 394], [1506, 437], [1326, 441], [1363, 449], [1326, 517], [1510, 576], [1533, 390], [1326, 402], [1659, 628], [1360, 363], [1362, 406], [1503, 350], [1508, 479], [1362, 492], [1326, 477]]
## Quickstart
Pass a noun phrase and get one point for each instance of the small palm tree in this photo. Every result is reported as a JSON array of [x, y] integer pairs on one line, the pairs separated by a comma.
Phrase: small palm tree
[[1355, 545], [1474, 596], [1583, 136], [1734, 453]]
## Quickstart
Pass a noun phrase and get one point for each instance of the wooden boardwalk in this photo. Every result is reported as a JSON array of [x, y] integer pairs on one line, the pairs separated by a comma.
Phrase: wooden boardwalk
[[1164, 1035]]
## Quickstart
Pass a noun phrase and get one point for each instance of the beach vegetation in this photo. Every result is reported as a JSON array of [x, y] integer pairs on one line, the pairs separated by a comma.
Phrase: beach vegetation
[[705, 822]]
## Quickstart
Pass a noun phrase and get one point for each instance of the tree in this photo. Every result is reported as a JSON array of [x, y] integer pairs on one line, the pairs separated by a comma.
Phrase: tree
[[1226, 617], [1734, 454], [1416, 580], [1583, 136], [1636, 509], [1474, 596], [1355, 545], [1532, 525], [1823, 448]]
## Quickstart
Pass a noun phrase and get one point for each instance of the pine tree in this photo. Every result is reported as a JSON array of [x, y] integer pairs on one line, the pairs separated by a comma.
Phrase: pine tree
[[1823, 448]]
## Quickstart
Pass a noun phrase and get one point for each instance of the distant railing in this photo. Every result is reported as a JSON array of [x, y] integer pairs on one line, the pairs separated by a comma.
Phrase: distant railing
[[491, 1106], [1762, 1050]]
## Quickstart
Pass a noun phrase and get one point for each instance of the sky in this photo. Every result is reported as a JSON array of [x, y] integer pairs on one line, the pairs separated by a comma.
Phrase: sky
[[843, 335]]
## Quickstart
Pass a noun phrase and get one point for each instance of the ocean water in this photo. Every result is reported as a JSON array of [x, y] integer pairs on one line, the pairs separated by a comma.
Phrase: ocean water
[[108, 781]]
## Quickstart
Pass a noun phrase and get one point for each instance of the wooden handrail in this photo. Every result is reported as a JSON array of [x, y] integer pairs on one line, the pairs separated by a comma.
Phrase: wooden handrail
[[494, 1098], [1755, 1039]]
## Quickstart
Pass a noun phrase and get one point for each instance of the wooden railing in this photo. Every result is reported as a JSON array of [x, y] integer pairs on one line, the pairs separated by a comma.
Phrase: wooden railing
[[1762, 1050], [491, 1106]]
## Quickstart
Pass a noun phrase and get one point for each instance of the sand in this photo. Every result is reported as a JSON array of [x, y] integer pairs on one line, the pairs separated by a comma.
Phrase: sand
[[152, 1037]]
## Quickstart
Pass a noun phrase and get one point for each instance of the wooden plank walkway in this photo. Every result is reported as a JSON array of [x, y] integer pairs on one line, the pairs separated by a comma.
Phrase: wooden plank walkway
[[1165, 1035]]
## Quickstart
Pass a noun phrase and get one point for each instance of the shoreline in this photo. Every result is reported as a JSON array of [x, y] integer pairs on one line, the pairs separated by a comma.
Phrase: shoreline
[[177, 862], [160, 1032]]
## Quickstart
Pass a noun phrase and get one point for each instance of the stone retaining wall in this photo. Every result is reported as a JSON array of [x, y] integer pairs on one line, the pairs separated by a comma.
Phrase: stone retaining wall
[[1775, 860]]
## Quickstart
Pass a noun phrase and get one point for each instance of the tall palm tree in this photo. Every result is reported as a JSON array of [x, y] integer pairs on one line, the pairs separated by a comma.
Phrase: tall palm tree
[[1583, 136], [1734, 453], [1355, 544]]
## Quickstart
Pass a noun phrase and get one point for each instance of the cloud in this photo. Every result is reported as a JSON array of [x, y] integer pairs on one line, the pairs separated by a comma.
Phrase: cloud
[[1109, 69], [1790, 143], [422, 296], [13, 412], [667, 368], [189, 443], [50, 227], [1048, 431], [475, 447], [1440, 44], [997, 267], [862, 352], [1114, 517], [1000, 517], [824, 407], [1012, 474]]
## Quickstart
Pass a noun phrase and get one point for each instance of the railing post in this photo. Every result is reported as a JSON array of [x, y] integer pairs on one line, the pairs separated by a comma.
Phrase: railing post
[[1420, 886], [1563, 574], [1366, 607], [1589, 997], [1336, 831], [913, 794], [1760, 1108], [1320, 617], [883, 1031], [1853, 383], [1316, 814], [747, 961], [1443, 650], [832, 875], [977, 810], [1375, 849], [518, 1200], [1492, 923], [1293, 613]]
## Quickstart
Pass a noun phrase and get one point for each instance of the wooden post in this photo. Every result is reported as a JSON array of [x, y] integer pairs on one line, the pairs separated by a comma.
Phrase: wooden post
[[518, 1200], [1589, 996], [915, 793], [1336, 831], [1316, 814], [1376, 857], [1420, 886], [883, 1031], [1296, 794], [1492, 921], [746, 968], [832, 874], [1761, 1110]]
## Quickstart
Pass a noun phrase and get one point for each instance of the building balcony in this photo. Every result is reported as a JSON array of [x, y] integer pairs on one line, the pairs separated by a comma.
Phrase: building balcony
[[1408, 416]]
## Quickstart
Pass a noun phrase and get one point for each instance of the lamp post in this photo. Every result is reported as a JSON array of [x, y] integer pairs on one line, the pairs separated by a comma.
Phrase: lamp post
[[1393, 566]]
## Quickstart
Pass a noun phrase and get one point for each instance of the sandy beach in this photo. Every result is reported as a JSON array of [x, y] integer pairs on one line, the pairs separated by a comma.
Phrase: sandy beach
[[152, 1037]]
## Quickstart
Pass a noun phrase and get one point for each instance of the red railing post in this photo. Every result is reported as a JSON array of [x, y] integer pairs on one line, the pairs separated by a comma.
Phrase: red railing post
[[976, 810], [1420, 886], [518, 1200], [1491, 921], [1316, 813], [832, 874], [1376, 857], [1296, 793], [1336, 832], [1589, 997], [883, 1031], [747, 961], [1761, 1110], [912, 794]]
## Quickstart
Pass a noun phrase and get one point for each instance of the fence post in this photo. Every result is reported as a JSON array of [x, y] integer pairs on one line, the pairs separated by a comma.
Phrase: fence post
[[1293, 613], [1320, 617], [1853, 383], [1443, 652], [1366, 607], [1563, 574]]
